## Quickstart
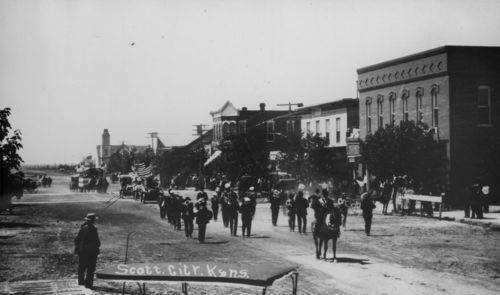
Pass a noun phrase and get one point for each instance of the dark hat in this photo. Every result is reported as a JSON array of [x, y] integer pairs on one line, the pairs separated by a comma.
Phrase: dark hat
[[90, 217]]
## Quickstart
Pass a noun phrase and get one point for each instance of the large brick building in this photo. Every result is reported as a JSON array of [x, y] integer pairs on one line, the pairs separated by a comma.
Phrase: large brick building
[[453, 89]]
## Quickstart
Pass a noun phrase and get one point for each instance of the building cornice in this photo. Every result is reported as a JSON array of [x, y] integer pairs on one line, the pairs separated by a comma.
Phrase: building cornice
[[409, 80]]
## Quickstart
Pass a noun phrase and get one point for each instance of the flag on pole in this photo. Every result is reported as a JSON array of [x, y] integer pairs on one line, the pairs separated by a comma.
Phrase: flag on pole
[[144, 171]]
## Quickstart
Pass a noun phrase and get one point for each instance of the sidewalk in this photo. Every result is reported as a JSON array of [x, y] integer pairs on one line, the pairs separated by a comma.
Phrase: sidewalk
[[490, 220]]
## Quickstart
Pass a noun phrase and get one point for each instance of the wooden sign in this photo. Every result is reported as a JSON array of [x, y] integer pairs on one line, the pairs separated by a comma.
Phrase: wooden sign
[[257, 275]]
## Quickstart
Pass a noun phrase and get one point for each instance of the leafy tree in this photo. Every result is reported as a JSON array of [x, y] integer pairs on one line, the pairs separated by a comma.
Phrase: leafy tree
[[309, 158], [406, 149], [12, 182]]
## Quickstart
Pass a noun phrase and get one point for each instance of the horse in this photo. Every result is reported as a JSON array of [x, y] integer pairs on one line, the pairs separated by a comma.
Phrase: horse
[[322, 233]]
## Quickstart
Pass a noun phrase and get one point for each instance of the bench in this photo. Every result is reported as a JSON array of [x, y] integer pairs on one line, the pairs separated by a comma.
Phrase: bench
[[260, 275], [424, 198]]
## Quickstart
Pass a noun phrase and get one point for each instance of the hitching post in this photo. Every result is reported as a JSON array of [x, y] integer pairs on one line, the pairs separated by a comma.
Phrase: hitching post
[[126, 257]]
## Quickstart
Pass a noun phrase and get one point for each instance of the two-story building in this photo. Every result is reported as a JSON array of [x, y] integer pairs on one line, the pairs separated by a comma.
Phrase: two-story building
[[452, 89]]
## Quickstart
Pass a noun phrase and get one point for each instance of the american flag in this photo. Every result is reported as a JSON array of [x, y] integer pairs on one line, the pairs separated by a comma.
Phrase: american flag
[[144, 171]]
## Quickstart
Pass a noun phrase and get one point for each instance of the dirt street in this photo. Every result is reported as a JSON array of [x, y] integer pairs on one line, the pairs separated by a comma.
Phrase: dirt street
[[404, 255]]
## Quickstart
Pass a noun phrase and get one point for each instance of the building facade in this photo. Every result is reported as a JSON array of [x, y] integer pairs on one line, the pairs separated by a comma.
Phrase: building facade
[[333, 120], [452, 89]]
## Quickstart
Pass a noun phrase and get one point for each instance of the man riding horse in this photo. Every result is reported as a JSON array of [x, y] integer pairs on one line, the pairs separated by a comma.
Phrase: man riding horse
[[323, 232]]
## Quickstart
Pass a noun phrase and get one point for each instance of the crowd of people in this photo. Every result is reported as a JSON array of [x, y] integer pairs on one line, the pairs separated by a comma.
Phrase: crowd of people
[[240, 206]]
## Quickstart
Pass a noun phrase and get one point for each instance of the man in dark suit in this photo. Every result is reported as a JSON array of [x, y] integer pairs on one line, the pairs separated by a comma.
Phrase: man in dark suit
[[87, 247]]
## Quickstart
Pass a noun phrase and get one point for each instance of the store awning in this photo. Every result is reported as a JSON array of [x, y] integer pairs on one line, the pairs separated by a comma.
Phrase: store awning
[[214, 156]]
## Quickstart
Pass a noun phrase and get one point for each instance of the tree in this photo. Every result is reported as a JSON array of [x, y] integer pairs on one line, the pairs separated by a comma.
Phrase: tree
[[406, 149], [308, 158], [12, 181]]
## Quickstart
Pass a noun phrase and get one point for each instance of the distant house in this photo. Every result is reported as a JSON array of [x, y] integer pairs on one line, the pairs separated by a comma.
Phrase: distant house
[[105, 150]]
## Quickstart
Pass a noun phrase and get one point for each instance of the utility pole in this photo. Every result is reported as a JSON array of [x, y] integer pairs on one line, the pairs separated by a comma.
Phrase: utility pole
[[290, 104]]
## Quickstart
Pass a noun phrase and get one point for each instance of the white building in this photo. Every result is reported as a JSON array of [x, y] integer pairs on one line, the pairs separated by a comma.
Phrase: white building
[[333, 120]]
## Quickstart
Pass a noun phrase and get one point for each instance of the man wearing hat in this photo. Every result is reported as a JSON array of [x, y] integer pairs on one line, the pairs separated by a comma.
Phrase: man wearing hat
[[342, 201], [301, 205], [275, 206], [367, 206], [224, 202], [253, 199], [87, 247], [233, 209], [246, 211], [187, 217], [203, 216]]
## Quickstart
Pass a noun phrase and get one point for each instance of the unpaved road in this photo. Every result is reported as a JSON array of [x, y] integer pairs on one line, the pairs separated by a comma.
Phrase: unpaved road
[[405, 255]]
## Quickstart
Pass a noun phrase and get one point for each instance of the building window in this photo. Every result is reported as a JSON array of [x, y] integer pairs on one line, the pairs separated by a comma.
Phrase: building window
[[337, 130], [290, 126], [435, 109], [420, 109], [369, 116], [317, 128], [404, 97], [242, 127], [380, 111], [484, 105], [392, 107], [270, 130], [327, 131], [308, 129]]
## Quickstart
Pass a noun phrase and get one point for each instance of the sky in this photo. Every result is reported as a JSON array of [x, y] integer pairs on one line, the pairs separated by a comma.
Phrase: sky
[[69, 69]]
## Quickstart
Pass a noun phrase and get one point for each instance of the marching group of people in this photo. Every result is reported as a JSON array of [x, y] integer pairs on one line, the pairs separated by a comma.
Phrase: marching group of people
[[179, 210]]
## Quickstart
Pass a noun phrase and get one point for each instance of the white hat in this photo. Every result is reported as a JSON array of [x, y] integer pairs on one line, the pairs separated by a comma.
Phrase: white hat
[[302, 186], [91, 217], [246, 199], [227, 185], [251, 188]]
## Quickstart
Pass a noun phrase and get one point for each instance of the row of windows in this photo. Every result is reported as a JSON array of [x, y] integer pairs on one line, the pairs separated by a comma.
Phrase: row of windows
[[327, 129], [405, 96], [483, 104]]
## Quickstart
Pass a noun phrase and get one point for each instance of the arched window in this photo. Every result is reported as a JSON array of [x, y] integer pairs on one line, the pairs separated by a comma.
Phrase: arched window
[[419, 94], [435, 108], [404, 97], [392, 107], [380, 111], [369, 115]]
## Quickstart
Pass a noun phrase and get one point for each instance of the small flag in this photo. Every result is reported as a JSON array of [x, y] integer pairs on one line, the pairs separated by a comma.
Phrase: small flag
[[144, 171]]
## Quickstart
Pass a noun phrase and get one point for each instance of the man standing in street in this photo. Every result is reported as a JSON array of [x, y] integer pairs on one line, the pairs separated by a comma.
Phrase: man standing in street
[[215, 205], [247, 212], [367, 206], [188, 216], [275, 206], [203, 216], [301, 205], [87, 247], [234, 207]]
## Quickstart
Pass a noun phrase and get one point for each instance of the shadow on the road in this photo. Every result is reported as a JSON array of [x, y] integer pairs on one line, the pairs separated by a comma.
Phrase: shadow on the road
[[350, 260], [258, 237], [216, 242], [382, 235], [18, 224], [6, 237], [355, 229], [106, 290]]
